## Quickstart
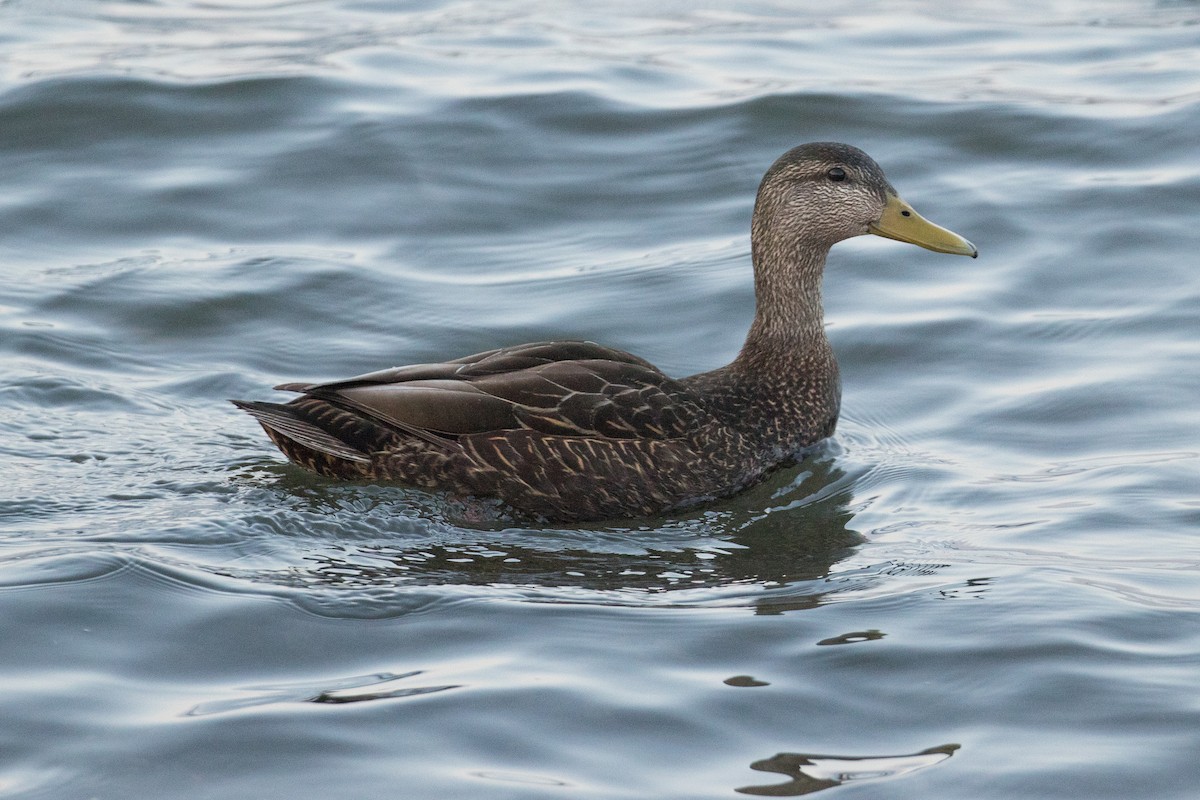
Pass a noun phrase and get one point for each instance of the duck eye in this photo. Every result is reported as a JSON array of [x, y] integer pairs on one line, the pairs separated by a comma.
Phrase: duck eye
[[836, 174]]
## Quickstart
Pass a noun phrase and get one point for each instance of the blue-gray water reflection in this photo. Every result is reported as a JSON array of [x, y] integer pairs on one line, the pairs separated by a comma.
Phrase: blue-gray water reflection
[[997, 550]]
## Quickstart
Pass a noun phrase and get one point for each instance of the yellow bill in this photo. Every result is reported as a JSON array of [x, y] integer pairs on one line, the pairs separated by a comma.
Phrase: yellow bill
[[901, 223]]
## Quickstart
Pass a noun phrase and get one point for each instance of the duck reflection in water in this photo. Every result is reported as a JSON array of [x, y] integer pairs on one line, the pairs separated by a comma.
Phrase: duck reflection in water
[[777, 543]]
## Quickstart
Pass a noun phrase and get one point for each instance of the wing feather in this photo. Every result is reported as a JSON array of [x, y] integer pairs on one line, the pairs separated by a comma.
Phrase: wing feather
[[578, 390], [285, 420]]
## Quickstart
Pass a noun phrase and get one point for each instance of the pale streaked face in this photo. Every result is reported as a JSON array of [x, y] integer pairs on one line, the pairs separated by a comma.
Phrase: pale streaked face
[[823, 193]]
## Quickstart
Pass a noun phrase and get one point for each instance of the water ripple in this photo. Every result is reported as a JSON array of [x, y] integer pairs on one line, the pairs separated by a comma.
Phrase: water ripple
[[202, 200]]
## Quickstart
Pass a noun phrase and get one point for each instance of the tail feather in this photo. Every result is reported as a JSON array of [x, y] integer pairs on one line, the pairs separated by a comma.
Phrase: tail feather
[[284, 420]]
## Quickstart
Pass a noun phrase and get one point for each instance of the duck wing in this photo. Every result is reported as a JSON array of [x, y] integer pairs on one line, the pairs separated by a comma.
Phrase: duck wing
[[575, 389]]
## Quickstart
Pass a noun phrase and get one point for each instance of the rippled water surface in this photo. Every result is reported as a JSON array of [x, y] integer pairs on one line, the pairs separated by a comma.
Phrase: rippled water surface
[[986, 585]]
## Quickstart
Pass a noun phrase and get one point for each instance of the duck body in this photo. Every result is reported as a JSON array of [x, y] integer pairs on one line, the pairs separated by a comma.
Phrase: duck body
[[561, 430], [575, 431]]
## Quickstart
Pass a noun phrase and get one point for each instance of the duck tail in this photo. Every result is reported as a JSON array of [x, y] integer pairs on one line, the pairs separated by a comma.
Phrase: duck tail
[[288, 427]]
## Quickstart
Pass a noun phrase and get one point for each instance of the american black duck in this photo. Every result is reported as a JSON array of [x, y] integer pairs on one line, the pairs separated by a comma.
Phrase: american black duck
[[577, 431]]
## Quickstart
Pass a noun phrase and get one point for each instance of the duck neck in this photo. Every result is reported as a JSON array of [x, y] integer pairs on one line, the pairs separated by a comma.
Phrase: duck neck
[[786, 390], [782, 392], [789, 324]]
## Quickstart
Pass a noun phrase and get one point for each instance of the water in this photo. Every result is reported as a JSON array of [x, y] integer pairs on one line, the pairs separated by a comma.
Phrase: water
[[986, 585]]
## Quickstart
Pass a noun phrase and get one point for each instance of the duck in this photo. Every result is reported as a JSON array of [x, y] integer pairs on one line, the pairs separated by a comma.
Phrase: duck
[[574, 431]]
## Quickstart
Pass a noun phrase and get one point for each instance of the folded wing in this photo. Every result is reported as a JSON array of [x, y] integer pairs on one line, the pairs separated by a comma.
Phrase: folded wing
[[573, 389]]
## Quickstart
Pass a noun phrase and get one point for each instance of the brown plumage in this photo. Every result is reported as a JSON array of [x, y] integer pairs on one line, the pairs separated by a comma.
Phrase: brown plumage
[[578, 431]]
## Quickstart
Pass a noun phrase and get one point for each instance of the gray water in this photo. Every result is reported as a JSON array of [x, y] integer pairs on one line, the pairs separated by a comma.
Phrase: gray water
[[986, 585]]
